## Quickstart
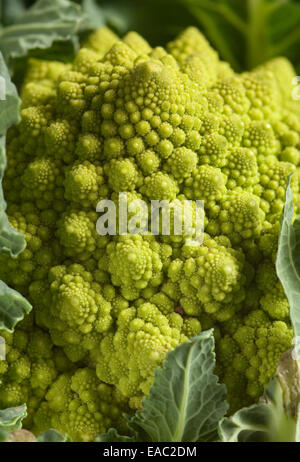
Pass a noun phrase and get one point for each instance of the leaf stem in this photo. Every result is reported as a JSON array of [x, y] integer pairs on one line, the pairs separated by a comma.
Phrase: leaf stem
[[224, 10], [215, 35], [289, 40], [256, 39], [182, 411]]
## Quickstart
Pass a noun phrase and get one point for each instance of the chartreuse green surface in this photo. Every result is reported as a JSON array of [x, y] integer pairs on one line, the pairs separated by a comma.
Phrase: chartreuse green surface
[[125, 328]]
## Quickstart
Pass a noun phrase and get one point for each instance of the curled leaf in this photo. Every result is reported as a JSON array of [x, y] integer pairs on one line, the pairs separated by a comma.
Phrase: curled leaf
[[44, 23]]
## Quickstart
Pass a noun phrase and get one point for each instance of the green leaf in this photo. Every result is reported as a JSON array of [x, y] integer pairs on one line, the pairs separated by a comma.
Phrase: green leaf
[[252, 423], [185, 403], [42, 24], [275, 418], [249, 32], [94, 15], [288, 269], [52, 436], [11, 241], [11, 418], [288, 258], [112, 436], [13, 307], [11, 10], [9, 101]]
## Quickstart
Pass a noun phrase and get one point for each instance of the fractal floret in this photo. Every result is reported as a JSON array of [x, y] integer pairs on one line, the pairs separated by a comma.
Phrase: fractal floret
[[171, 125]]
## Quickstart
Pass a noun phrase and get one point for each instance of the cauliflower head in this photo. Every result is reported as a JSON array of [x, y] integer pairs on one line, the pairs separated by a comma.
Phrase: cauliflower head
[[165, 124]]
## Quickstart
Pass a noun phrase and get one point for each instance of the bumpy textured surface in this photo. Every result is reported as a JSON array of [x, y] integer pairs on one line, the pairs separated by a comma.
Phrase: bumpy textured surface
[[160, 125]]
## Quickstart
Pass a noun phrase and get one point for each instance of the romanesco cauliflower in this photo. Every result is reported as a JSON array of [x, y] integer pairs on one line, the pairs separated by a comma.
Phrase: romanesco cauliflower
[[159, 124]]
